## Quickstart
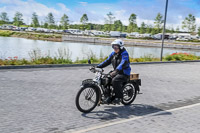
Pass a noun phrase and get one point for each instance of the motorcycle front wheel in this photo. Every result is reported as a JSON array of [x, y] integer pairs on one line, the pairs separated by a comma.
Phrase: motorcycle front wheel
[[87, 98]]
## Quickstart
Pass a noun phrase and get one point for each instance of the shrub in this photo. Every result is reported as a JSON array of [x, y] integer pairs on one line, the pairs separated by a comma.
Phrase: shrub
[[61, 60], [6, 33], [181, 57]]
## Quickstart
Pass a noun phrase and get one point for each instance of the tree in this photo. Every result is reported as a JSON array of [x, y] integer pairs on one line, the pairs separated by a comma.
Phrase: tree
[[45, 25], [132, 27], [35, 22], [84, 19], [199, 31], [124, 28], [109, 21], [59, 27], [117, 26], [50, 20], [64, 21], [153, 31], [158, 22], [4, 17], [149, 28], [17, 20], [172, 30], [90, 26], [106, 27], [98, 27], [132, 23], [189, 23], [177, 29], [132, 18], [143, 28]]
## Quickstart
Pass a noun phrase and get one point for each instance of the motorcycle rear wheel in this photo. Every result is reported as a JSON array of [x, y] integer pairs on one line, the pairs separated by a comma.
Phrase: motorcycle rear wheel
[[129, 93]]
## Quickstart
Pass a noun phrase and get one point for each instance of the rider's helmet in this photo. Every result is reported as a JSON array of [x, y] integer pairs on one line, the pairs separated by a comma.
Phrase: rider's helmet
[[118, 42]]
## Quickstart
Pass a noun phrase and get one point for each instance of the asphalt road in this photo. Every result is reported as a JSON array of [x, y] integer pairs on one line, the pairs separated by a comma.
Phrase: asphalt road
[[42, 100]]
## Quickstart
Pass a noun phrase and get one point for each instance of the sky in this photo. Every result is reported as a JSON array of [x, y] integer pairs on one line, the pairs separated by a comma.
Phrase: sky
[[146, 10]]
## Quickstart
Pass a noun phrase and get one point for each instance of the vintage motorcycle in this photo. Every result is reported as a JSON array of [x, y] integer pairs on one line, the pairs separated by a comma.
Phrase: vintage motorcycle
[[93, 91]]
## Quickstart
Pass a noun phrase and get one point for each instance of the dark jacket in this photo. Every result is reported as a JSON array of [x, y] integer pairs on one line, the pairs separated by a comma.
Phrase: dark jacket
[[120, 62]]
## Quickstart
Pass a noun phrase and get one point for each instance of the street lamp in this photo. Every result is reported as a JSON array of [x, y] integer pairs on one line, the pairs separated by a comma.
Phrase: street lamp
[[163, 35]]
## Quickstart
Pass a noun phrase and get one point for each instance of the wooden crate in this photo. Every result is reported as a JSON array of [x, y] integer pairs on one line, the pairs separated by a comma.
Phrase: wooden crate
[[134, 76]]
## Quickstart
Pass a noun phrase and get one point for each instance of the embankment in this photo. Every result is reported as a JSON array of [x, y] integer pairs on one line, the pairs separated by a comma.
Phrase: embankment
[[133, 42]]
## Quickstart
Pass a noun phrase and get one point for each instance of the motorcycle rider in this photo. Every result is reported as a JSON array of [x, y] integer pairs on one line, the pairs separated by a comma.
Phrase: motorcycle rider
[[120, 62]]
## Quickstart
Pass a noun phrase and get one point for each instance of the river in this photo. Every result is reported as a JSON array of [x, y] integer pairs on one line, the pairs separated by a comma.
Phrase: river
[[21, 47]]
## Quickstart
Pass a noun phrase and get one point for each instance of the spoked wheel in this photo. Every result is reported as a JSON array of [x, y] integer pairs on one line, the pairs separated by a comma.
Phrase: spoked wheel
[[87, 99], [129, 94]]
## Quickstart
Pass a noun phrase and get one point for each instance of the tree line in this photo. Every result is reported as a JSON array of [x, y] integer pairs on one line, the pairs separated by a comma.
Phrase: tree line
[[111, 24]]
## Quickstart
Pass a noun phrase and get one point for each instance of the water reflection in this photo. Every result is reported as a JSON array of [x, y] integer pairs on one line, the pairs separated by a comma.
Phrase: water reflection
[[10, 47]]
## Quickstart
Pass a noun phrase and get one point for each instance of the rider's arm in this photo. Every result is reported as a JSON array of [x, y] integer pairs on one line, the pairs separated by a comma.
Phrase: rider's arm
[[106, 62], [124, 61]]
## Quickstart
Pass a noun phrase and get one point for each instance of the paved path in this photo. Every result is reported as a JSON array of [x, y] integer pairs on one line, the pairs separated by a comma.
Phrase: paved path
[[43, 100], [179, 120]]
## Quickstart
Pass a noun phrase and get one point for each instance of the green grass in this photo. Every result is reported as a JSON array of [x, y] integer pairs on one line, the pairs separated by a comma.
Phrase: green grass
[[143, 38], [103, 36], [62, 60], [39, 36], [189, 41], [6, 33], [146, 58]]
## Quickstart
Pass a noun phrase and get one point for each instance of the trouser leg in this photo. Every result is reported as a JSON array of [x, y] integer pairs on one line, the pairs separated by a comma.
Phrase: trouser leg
[[117, 83]]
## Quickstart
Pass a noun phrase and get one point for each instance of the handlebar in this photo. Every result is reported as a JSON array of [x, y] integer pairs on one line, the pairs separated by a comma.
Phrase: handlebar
[[93, 69]]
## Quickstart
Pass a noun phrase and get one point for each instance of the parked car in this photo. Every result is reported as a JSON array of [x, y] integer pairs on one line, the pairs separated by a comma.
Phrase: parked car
[[40, 29], [23, 28], [134, 34], [183, 36], [15, 28], [95, 32], [159, 36], [66, 31], [30, 29], [60, 31], [182, 39], [123, 35], [7, 27], [115, 33]]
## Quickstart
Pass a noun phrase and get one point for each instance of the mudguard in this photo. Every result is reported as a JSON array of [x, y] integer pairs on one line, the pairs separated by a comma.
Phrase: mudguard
[[88, 81], [136, 83], [91, 83]]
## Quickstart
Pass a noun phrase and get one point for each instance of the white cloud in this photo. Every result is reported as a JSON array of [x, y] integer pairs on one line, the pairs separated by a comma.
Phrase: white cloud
[[96, 11], [198, 21], [83, 3], [93, 12], [180, 17], [107, 8], [30, 6], [63, 7]]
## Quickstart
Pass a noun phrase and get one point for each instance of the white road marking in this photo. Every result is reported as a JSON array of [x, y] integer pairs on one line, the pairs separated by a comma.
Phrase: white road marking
[[131, 119]]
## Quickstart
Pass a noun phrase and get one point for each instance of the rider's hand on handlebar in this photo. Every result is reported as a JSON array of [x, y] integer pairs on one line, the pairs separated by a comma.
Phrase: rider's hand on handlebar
[[92, 68], [113, 73]]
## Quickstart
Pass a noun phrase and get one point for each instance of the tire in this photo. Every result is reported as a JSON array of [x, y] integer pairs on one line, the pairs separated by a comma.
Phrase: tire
[[132, 92], [92, 90]]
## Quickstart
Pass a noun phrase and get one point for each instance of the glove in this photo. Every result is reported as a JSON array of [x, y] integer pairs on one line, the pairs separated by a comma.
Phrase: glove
[[92, 68], [114, 73], [98, 67]]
